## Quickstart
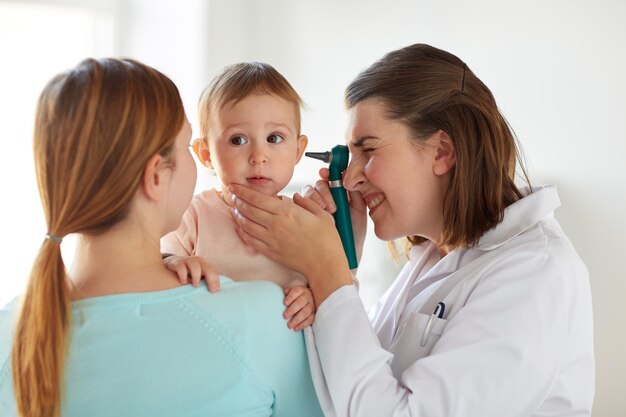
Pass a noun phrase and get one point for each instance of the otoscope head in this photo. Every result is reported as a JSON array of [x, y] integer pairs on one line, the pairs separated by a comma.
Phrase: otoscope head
[[337, 157], [322, 156]]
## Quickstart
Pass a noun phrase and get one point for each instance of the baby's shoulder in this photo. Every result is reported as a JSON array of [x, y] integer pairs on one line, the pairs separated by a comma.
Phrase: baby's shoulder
[[204, 205], [206, 197]]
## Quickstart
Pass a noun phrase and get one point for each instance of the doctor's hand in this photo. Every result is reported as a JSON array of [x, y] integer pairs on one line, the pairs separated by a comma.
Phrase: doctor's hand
[[300, 236], [320, 194]]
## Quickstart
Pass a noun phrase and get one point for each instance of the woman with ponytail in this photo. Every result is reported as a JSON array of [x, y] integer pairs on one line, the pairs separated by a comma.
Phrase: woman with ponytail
[[116, 334]]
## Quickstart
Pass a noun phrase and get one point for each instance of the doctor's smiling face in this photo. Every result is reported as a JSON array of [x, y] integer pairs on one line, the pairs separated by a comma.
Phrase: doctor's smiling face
[[402, 179]]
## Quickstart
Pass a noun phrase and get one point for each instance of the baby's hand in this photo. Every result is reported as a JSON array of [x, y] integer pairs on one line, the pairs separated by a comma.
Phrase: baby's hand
[[194, 268], [300, 307]]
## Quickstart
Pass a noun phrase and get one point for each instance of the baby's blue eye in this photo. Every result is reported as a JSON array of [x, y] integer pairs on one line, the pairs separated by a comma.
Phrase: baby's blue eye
[[238, 140], [275, 138]]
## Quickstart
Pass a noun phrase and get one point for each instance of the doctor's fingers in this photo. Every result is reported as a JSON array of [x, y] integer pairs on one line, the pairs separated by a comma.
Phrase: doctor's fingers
[[311, 207], [251, 233], [255, 198], [309, 192], [321, 195], [358, 213], [357, 202], [245, 213], [252, 242], [323, 188], [241, 216], [320, 192]]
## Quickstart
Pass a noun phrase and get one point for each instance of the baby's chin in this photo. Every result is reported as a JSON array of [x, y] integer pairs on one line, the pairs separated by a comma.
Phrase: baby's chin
[[266, 189], [267, 192], [269, 188]]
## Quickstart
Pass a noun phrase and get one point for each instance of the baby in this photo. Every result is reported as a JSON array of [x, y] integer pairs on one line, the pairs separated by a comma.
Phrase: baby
[[250, 135]]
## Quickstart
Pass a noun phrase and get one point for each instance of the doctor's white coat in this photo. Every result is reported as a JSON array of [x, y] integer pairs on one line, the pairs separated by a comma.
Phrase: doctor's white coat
[[515, 337]]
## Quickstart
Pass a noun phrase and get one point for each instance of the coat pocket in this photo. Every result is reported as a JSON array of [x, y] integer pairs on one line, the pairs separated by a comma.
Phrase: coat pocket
[[415, 341]]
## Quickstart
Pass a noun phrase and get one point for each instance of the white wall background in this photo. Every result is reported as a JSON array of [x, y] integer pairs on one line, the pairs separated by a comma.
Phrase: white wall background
[[557, 69]]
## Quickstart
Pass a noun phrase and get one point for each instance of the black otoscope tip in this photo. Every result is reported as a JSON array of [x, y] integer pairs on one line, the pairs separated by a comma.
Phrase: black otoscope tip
[[322, 156]]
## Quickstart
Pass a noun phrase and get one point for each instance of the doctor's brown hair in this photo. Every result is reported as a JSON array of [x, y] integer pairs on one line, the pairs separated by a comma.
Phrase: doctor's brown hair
[[428, 90], [96, 127], [238, 81]]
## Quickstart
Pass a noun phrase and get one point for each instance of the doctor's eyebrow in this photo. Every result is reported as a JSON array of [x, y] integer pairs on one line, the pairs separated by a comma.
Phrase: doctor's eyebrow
[[359, 142]]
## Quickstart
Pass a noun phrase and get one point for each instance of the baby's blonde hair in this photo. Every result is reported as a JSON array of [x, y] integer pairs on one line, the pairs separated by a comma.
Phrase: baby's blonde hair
[[238, 81]]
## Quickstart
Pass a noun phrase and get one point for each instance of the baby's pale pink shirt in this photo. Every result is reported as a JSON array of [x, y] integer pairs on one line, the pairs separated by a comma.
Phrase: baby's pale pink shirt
[[208, 230]]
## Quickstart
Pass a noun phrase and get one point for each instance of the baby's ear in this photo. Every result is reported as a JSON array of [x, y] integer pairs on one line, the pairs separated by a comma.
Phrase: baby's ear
[[302, 142], [201, 150]]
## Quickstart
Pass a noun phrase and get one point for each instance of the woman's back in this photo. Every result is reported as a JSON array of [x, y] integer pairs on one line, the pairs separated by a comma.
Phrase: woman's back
[[181, 352]]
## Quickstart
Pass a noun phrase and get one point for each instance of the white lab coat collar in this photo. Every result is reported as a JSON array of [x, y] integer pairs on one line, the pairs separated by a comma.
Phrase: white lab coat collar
[[521, 215], [518, 217]]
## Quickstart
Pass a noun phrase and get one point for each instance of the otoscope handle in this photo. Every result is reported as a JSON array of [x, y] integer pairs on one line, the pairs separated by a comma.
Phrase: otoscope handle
[[338, 158], [344, 223]]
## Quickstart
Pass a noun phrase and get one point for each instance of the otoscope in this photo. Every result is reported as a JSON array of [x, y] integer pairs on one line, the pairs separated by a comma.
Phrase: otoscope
[[338, 159]]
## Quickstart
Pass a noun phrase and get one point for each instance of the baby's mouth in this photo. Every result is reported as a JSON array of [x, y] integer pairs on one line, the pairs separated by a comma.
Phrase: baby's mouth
[[258, 180]]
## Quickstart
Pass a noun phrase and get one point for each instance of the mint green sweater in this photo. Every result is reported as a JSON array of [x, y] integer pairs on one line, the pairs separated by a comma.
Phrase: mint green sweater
[[179, 352]]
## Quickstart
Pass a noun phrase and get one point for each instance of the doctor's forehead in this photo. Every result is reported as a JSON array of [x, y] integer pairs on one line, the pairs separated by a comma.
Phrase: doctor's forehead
[[367, 115]]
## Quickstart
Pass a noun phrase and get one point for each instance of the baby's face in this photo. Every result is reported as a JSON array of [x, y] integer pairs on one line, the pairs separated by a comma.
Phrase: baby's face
[[255, 142]]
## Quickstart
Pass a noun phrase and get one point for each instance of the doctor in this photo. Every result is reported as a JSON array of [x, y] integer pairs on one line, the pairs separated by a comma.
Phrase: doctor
[[492, 315]]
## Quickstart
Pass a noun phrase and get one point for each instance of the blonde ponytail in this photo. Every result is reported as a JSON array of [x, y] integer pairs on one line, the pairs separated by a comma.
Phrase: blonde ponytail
[[40, 341]]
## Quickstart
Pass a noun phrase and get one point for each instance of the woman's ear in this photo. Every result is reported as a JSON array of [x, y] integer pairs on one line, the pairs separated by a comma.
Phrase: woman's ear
[[201, 150], [445, 154], [154, 178], [302, 142]]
